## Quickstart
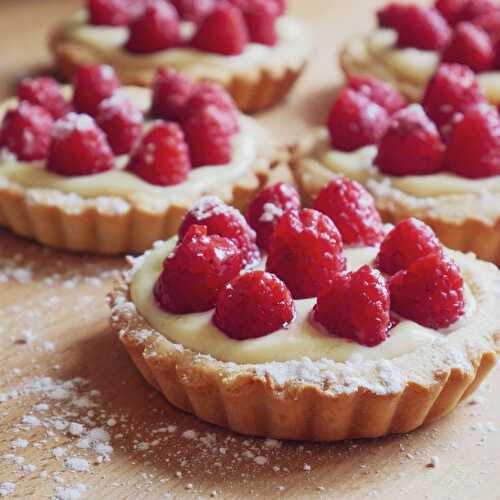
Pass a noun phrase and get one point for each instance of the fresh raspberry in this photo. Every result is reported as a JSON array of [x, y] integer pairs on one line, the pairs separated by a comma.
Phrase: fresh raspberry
[[419, 27], [208, 133], [225, 221], [260, 17], [193, 10], [157, 29], [476, 8], [379, 92], [306, 252], [411, 144], [222, 31], [407, 242], [79, 147], [196, 271], [25, 131], [162, 157], [356, 121], [450, 9], [352, 209], [122, 122], [471, 46], [44, 92], [253, 305], [489, 23], [109, 12], [474, 145], [171, 90], [268, 207], [356, 306], [430, 292], [92, 84], [452, 90]]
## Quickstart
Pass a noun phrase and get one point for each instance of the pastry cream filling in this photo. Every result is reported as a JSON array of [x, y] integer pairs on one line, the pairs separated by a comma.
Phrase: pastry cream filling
[[127, 185], [417, 65], [302, 338]]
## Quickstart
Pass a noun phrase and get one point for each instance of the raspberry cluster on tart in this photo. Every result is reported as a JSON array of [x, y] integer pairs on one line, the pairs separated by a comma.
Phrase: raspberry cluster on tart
[[412, 40], [251, 47], [108, 169], [438, 160], [318, 324]]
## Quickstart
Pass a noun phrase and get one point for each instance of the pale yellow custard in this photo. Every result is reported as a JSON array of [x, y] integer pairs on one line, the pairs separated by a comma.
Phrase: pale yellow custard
[[303, 338]]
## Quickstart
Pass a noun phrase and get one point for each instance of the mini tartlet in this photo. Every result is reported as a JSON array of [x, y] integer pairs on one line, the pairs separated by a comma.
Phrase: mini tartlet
[[438, 161], [411, 40], [119, 182], [257, 352], [261, 55]]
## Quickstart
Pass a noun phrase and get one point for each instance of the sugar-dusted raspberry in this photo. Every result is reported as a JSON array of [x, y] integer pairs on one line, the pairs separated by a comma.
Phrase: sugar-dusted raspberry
[[268, 207], [306, 252], [489, 23], [196, 271], [356, 121], [162, 156], [222, 31], [450, 9], [92, 84], [122, 121], [473, 9], [156, 29], [407, 242], [193, 10], [356, 306], [171, 90], [430, 292], [225, 221], [474, 145], [352, 209], [44, 92], [110, 12], [253, 305], [379, 92], [260, 17], [25, 131], [79, 147], [411, 144], [452, 90], [471, 46], [419, 27]]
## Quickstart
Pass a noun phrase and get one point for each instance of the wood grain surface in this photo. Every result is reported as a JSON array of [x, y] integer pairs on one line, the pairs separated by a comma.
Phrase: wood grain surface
[[59, 362]]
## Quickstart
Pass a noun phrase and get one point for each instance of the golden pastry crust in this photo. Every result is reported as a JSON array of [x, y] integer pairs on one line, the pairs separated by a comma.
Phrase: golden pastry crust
[[319, 400], [467, 222]]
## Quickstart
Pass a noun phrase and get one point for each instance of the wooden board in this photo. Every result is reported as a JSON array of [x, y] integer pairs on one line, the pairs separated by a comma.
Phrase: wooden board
[[56, 302]]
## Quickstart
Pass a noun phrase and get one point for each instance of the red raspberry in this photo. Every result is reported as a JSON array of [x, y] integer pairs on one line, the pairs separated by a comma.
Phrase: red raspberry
[[171, 90], [156, 29], [122, 122], [44, 92], [208, 133], [268, 207], [193, 10], [379, 92], [92, 84], [222, 31], [471, 46], [253, 305], [356, 306], [196, 271], [419, 27], [474, 146], [162, 157], [355, 121], [476, 8], [411, 144], [260, 18], [25, 131], [109, 12], [407, 242], [430, 292], [306, 252], [489, 23], [225, 221], [352, 209], [79, 147], [450, 9], [452, 90]]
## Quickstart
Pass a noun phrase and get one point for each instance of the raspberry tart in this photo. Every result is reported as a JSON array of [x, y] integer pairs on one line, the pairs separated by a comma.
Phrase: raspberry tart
[[336, 327], [410, 42], [108, 169], [251, 47], [438, 160]]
